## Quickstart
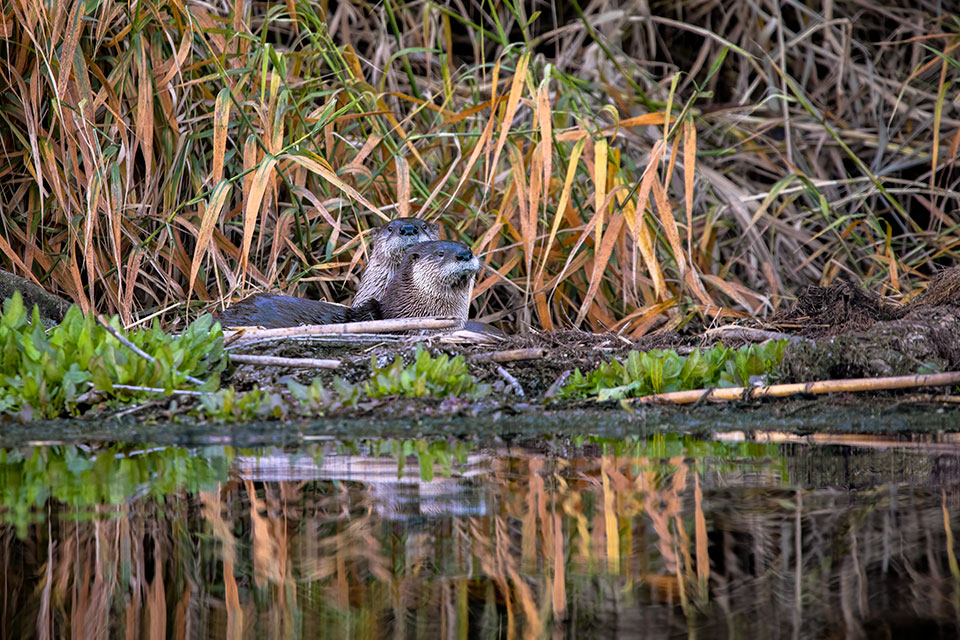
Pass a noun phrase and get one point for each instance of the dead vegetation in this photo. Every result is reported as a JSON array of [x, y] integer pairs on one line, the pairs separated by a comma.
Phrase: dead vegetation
[[617, 165]]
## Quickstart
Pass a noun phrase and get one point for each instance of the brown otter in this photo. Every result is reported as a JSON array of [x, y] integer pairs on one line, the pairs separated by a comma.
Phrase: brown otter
[[389, 246], [390, 242], [435, 279], [276, 312]]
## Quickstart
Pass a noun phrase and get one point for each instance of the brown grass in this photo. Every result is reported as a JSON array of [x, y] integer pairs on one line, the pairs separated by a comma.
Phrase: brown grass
[[615, 167]]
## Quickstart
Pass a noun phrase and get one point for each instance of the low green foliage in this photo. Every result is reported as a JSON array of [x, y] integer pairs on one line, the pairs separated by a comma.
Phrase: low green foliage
[[227, 405], [660, 371], [316, 399], [45, 374], [440, 376]]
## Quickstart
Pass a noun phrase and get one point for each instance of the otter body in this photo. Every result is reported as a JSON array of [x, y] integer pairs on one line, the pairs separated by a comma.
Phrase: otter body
[[434, 279], [390, 244], [276, 312]]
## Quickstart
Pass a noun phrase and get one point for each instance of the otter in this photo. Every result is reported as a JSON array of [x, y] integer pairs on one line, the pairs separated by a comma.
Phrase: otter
[[271, 311], [434, 279], [390, 243]]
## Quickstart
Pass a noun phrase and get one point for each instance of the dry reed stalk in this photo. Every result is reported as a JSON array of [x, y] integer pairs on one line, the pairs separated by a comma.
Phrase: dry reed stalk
[[822, 386]]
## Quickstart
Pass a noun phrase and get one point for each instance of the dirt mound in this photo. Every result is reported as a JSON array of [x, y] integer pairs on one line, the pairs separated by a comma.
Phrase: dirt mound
[[859, 334], [840, 308]]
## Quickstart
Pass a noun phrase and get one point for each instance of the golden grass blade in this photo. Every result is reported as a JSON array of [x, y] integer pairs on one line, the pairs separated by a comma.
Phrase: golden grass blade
[[600, 149], [669, 225], [639, 228], [689, 167], [253, 206], [513, 101], [561, 206], [144, 126], [600, 261], [460, 116], [403, 186], [317, 167], [647, 119], [221, 122], [208, 222], [133, 271], [545, 124]]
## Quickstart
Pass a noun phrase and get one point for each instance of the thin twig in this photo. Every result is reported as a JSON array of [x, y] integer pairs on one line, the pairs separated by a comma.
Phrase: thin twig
[[512, 382], [509, 355], [371, 326], [140, 352], [277, 361]]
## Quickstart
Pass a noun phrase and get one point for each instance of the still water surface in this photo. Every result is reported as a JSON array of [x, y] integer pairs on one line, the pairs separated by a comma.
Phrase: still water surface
[[666, 536]]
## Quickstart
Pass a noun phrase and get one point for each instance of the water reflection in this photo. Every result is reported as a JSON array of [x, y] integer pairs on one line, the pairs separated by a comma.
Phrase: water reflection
[[664, 536]]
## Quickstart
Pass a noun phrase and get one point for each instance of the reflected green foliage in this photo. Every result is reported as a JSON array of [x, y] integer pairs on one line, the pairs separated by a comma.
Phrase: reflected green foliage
[[663, 371], [427, 376], [46, 374], [80, 479]]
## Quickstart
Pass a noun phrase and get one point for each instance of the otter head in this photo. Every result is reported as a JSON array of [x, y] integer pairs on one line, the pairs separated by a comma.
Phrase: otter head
[[390, 243], [450, 265], [394, 238], [434, 279]]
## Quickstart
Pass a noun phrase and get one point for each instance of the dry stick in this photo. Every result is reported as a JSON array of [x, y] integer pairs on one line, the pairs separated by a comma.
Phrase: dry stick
[[821, 386], [277, 361], [371, 326], [509, 355], [749, 334], [140, 352], [339, 340], [512, 382]]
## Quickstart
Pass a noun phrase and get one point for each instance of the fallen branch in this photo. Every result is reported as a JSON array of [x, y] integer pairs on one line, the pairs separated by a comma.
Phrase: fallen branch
[[509, 355], [371, 326], [821, 386], [749, 334], [339, 340], [277, 361]]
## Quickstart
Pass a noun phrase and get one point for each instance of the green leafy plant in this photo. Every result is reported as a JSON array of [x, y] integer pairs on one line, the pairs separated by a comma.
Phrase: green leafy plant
[[229, 406], [316, 399], [46, 374], [663, 371], [427, 376]]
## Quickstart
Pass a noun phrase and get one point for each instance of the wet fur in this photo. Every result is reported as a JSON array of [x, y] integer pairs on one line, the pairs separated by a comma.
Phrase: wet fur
[[276, 312], [389, 247], [432, 282]]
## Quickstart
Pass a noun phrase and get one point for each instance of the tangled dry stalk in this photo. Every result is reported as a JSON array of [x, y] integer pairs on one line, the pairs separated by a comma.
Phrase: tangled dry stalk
[[616, 166]]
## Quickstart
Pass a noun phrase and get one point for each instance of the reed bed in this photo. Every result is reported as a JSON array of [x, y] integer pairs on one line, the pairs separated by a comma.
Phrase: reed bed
[[617, 166]]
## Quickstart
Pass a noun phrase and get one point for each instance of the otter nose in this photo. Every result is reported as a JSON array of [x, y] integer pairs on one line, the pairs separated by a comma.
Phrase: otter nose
[[464, 255], [408, 230]]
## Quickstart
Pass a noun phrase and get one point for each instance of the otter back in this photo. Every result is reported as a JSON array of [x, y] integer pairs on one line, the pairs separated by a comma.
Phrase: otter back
[[276, 312]]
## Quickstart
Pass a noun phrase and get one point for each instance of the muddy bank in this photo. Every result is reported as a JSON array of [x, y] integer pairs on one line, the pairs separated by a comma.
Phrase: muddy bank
[[906, 421], [853, 333]]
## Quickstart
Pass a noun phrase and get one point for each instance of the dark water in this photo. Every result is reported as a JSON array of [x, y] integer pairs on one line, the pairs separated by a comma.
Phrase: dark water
[[662, 536]]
